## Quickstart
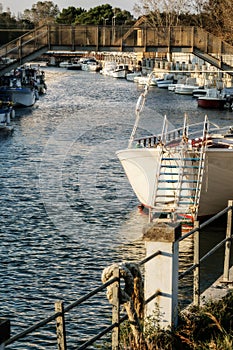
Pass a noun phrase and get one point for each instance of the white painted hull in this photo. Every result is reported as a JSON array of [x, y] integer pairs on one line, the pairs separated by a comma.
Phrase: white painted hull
[[164, 84], [184, 89], [21, 97], [141, 165], [121, 73]]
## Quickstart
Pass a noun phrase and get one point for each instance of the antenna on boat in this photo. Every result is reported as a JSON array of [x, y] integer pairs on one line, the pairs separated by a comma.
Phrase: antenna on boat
[[139, 107]]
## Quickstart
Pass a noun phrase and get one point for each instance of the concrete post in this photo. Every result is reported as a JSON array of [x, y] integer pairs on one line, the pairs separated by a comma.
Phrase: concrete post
[[161, 273]]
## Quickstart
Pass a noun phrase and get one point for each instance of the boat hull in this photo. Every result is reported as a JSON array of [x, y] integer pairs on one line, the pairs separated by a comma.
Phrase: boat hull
[[208, 102], [21, 97], [141, 167]]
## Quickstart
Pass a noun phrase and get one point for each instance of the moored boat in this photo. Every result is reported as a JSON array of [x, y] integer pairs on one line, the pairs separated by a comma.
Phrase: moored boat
[[186, 88], [23, 86], [180, 174], [212, 99], [120, 71], [74, 65]]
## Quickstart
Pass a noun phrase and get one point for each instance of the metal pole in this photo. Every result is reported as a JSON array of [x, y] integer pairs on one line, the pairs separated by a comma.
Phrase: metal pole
[[228, 244], [116, 310], [196, 272]]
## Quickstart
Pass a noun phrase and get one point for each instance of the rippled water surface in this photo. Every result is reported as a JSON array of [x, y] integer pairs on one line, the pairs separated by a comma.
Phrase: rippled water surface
[[67, 210]]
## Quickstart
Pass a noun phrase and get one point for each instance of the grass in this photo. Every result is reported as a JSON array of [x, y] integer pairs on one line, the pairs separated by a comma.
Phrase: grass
[[201, 328]]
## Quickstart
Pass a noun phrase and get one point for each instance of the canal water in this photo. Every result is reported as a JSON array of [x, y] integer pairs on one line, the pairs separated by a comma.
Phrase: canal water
[[67, 210]]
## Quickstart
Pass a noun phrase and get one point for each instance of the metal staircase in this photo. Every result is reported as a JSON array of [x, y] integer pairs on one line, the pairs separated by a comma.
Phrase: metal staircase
[[179, 179]]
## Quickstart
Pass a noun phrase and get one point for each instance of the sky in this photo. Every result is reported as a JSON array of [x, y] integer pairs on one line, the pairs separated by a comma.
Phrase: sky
[[17, 6]]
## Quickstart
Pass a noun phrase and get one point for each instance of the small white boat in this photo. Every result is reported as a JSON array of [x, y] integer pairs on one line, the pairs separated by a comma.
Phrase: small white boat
[[89, 64], [186, 88], [167, 80], [132, 75], [64, 64], [108, 68], [93, 66], [74, 65], [144, 80], [120, 71]]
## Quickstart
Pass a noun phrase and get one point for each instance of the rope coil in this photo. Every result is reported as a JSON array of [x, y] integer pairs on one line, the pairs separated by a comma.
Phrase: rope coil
[[128, 272]]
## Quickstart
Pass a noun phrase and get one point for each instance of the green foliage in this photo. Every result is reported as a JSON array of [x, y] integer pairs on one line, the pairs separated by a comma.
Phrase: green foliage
[[201, 328], [68, 16]]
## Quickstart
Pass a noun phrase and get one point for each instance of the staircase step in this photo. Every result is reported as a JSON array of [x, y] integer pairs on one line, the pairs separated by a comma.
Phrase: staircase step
[[174, 189], [182, 166], [186, 159], [176, 174], [171, 196], [181, 181]]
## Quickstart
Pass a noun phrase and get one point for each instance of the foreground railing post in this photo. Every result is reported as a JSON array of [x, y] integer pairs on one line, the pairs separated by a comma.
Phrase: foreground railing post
[[228, 244], [60, 326], [161, 273], [115, 309], [196, 261]]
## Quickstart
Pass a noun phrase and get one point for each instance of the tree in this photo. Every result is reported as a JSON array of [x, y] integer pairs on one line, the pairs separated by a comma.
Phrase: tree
[[219, 21], [68, 16], [163, 12], [42, 12], [104, 14]]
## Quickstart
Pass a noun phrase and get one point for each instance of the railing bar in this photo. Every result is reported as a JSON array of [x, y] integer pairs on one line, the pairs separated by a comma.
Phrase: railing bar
[[188, 234], [105, 331], [53, 317], [190, 269], [213, 250], [33, 328], [149, 257], [87, 296], [98, 336], [157, 293], [206, 223], [218, 215]]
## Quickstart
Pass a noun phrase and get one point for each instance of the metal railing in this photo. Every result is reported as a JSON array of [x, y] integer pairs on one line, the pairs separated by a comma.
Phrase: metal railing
[[117, 320]]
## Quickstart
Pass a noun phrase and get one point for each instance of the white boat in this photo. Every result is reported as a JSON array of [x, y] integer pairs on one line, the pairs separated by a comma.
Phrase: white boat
[[186, 88], [180, 174], [93, 66], [64, 64], [74, 65], [167, 80], [108, 68], [89, 64], [145, 80], [120, 71], [132, 75]]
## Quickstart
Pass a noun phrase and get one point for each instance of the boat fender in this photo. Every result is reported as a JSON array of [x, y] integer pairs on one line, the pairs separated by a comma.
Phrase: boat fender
[[128, 272], [12, 113]]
